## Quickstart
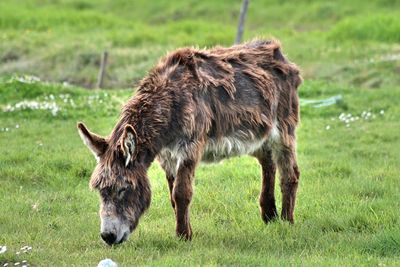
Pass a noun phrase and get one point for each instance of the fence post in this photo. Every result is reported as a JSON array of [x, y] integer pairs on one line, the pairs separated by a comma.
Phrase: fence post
[[102, 71], [242, 18]]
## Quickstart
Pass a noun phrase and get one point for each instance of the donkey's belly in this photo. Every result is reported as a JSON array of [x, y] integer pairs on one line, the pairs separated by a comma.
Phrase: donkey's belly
[[226, 147]]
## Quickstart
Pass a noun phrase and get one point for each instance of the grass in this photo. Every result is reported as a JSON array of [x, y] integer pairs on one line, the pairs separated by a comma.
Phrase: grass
[[347, 212], [62, 41]]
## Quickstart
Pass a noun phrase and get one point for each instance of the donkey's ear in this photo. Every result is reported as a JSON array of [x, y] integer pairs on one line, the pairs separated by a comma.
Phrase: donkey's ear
[[95, 143], [128, 143]]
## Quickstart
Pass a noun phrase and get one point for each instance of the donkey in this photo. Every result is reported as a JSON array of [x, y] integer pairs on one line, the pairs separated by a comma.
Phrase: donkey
[[199, 105]]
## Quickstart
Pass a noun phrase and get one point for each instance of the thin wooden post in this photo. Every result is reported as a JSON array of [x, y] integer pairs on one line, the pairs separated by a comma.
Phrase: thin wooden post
[[242, 18], [102, 71]]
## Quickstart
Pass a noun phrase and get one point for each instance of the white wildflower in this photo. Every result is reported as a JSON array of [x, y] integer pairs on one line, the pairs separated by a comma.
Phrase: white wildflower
[[3, 249], [72, 103], [25, 79], [34, 105]]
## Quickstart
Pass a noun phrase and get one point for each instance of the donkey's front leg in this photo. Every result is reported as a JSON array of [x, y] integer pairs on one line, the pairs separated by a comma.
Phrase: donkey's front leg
[[182, 196], [290, 175], [170, 180], [166, 163]]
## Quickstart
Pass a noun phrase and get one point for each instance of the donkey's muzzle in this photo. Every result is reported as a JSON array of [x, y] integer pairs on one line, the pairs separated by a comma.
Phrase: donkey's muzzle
[[109, 238]]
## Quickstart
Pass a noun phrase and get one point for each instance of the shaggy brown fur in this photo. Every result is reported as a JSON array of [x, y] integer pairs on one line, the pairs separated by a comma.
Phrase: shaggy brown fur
[[205, 105]]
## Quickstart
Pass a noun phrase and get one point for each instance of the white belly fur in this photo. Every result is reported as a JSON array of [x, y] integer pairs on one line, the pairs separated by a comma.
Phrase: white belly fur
[[229, 147], [215, 150]]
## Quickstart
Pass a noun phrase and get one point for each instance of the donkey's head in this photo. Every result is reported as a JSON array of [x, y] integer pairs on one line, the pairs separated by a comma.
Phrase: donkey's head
[[121, 181]]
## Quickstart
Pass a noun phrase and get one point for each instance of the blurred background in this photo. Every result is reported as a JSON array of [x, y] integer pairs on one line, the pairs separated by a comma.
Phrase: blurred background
[[353, 42]]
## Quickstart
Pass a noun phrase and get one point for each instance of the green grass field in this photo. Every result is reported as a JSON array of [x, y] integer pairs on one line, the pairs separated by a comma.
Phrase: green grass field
[[348, 209]]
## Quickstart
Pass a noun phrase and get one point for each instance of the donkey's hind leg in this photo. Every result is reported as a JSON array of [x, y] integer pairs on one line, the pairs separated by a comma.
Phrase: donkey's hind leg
[[267, 195], [285, 157]]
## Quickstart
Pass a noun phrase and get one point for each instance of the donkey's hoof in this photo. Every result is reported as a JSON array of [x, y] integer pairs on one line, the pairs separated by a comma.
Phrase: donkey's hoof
[[269, 216], [185, 234], [287, 217], [268, 210]]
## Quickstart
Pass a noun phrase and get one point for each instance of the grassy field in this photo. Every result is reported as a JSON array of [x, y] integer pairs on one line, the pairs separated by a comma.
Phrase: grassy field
[[348, 212]]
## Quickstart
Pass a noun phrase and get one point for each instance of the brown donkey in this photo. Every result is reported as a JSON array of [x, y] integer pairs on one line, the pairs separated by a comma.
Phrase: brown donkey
[[199, 105]]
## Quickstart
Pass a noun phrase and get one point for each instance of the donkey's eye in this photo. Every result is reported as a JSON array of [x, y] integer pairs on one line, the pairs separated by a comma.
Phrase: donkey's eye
[[121, 192]]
